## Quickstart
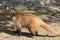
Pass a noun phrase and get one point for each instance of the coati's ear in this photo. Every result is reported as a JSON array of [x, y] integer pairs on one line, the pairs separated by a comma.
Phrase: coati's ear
[[6, 7]]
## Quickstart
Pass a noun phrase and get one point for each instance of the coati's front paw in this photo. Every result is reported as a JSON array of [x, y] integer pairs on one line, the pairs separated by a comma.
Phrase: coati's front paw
[[17, 32]]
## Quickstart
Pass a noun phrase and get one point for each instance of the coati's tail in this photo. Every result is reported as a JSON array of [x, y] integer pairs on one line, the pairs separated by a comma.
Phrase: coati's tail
[[49, 29]]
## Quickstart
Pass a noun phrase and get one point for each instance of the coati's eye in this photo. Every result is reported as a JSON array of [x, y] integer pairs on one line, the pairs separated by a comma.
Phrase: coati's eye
[[13, 14]]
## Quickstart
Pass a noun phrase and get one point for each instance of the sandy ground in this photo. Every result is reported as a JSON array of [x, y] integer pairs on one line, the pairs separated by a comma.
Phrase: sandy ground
[[6, 34]]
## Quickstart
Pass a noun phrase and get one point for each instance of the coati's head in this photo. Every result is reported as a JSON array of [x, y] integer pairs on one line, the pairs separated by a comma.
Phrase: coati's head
[[12, 11], [9, 10]]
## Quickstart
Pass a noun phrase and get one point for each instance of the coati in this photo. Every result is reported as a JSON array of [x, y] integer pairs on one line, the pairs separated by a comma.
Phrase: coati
[[31, 22]]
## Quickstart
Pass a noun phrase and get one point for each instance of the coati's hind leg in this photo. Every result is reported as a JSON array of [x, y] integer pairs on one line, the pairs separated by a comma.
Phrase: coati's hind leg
[[33, 30], [36, 33]]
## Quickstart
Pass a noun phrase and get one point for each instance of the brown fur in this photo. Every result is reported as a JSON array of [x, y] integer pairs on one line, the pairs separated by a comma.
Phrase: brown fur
[[31, 22]]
